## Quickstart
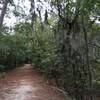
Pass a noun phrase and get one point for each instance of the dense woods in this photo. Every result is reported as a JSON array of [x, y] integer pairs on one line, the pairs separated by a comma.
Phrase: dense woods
[[60, 38]]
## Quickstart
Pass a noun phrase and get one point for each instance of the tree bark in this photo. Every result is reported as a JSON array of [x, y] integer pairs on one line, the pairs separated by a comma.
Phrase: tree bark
[[3, 12], [87, 55]]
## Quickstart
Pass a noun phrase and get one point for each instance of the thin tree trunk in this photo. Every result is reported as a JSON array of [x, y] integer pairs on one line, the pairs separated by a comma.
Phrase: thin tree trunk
[[87, 55], [3, 12]]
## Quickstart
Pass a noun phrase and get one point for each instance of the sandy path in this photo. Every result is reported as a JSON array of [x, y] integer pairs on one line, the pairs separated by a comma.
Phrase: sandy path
[[25, 84]]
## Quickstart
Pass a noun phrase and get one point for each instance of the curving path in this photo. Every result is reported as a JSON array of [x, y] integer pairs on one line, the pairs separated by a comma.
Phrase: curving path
[[25, 84]]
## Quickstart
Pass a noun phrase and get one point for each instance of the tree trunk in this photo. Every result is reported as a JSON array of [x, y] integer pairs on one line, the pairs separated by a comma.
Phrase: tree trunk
[[3, 12], [87, 56]]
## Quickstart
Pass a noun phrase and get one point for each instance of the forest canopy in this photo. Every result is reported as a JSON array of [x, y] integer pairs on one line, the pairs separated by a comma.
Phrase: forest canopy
[[59, 37]]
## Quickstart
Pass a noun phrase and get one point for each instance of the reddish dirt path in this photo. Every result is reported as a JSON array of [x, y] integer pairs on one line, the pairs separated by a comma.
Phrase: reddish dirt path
[[25, 84]]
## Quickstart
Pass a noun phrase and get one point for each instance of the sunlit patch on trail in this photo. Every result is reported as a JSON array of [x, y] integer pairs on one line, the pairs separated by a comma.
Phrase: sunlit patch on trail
[[21, 91]]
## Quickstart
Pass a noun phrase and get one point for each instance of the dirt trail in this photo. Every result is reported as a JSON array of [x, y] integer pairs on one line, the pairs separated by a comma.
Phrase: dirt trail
[[25, 84]]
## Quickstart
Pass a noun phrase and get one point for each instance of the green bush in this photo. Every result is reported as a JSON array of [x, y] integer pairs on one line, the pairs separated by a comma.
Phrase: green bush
[[15, 47]]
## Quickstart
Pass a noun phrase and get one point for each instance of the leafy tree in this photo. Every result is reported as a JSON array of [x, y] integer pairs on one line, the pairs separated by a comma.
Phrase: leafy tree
[[61, 40], [70, 33]]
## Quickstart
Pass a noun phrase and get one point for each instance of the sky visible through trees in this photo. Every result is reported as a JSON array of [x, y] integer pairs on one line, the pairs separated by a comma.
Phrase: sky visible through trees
[[25, 5]]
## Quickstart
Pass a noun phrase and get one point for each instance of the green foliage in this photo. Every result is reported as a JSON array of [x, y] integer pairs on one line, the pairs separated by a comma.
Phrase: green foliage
[[15, 48], [65, 45], [63, 48]]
